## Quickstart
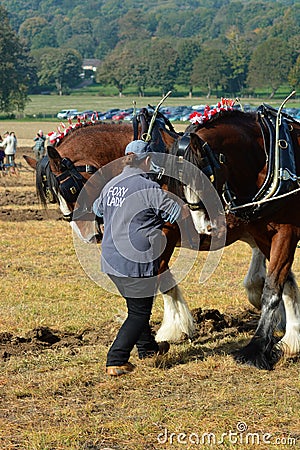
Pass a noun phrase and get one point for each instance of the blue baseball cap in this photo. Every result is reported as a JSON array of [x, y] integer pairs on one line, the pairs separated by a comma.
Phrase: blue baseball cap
[[138, 147]]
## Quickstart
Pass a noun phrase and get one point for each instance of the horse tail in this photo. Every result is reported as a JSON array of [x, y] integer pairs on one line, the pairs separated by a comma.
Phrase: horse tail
[[177, 320]]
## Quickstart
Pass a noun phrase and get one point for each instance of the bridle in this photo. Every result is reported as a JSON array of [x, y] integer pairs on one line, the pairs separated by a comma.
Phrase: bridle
[[71, 180], [45, 182], [207, 163], [69, 183]]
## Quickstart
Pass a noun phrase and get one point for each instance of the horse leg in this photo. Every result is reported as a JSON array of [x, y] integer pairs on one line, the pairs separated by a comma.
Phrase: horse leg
[[290, 343], [260, 352], [177, 320], [255, 279]]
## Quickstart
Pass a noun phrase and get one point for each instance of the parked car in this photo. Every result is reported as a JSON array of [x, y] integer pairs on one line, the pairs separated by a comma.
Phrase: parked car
[[129, 116], [83, 115], [109, 113], [66, 113], [121, 115]]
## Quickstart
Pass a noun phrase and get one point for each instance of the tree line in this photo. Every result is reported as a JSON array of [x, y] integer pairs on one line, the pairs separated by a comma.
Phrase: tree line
[[227, 47]]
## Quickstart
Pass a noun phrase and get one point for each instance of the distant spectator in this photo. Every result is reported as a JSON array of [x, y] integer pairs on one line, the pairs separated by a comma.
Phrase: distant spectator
[[39, 146], [2, 155], [10, 145]]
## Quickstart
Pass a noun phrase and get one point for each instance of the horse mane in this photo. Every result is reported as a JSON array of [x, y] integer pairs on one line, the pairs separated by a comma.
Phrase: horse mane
[[234, 114], [56, 138]]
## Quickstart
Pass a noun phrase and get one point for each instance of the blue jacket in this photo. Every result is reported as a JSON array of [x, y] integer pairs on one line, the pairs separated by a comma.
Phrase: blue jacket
[[134, 209]]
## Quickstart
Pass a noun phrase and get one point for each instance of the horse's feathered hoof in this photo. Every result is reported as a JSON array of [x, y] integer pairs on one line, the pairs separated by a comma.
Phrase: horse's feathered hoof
[[258, 360], [254, 355]]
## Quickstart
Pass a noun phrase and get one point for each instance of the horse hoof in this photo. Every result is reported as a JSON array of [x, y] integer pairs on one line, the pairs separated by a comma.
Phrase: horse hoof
[[259, 361], [252, 356]]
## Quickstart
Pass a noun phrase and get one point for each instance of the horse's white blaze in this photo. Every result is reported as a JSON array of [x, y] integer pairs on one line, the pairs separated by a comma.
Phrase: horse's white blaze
[[177, 320], [290, 343], [86, 232], [63, 205], [201, 223]]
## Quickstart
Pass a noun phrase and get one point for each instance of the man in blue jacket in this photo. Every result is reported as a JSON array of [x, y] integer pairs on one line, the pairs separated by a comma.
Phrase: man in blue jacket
[[134, 209]]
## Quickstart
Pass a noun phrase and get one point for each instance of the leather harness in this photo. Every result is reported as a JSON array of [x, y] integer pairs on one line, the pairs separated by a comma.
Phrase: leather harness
[[288, 181]]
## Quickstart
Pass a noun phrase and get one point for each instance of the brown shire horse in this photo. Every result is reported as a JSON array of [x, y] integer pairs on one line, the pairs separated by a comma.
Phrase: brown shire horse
[[261, 196], [73, 160], [91, 147]]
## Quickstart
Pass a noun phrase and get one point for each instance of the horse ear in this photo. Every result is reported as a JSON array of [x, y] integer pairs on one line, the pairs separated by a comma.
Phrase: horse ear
[[167, 138], [30, 161], [54, 159], [52, 152]]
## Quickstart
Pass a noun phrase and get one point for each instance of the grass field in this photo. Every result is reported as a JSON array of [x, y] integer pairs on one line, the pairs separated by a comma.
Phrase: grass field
[[45, 106], [41, 111], [57, 325]]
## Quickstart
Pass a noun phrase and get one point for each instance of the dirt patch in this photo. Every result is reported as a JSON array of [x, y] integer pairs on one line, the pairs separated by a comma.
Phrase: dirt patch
[[210, 324], [24, 198], [11, 215], [18, 198]]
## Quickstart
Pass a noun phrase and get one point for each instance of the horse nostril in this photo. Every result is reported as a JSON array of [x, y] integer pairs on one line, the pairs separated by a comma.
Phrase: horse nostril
[[209, 228]]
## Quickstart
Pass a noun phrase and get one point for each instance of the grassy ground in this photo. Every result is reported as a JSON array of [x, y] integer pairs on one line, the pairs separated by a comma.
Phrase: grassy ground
[[56, 327], [45, 106]]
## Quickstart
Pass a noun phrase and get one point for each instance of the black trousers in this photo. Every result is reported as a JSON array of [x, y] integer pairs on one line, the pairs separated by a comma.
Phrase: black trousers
[[136, 328]]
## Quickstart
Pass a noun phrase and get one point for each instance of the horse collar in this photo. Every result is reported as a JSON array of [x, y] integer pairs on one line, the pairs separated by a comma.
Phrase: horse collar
[[183, 144]]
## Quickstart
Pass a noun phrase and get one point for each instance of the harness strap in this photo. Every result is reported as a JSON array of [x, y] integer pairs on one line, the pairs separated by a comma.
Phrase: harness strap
[[87, 168], [208, 165], [45, 180], [135, 128], [71, 181]]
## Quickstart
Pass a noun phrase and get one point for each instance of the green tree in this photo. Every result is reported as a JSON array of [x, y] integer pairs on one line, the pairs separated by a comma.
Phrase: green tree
[[84, 44], [81, 26], [294, 75], [211, 70], [60, 68], [114, 70], [16, 68], [188, 50], [46, 38], [31, 28], [270, 65], [238, 56], [106, 32], [289, 25], [162, 65], [63, 30], [132, 26], [138, 65]]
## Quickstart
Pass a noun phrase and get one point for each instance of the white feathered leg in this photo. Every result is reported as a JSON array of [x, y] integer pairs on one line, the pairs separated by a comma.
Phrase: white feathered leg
[[177, 320], [290, 343]]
